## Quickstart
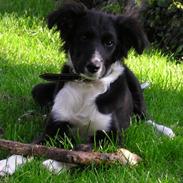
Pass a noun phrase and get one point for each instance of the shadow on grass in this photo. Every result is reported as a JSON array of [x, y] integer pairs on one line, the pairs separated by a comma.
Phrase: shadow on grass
[[37, 8], [16, 82]]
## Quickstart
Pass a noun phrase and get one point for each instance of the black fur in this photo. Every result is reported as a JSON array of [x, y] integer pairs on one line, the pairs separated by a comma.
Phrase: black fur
[[84, 31]]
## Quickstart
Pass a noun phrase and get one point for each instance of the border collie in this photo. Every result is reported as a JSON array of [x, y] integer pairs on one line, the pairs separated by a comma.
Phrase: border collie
[[105, 100], [102, 101]]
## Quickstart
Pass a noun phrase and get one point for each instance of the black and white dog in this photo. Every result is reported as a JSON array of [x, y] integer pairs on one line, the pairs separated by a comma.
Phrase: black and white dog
[[106, 96], [110, 94]]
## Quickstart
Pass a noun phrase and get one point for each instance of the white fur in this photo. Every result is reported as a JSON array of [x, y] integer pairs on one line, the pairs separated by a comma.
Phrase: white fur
[[96, 59], [162, 129], [75, 102]]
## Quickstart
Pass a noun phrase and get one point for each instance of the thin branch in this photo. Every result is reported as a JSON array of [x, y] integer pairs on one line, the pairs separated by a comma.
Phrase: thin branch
[[122, 156]]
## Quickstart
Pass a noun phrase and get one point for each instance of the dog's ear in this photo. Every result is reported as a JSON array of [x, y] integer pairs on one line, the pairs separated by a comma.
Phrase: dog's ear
[[65, 18], [130, 34]]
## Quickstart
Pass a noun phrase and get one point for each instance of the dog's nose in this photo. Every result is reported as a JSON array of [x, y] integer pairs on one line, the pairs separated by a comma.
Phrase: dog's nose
[[92, 68]]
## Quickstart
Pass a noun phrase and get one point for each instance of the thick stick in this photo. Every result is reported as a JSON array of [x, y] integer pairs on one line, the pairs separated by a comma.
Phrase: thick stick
[[122, 156]]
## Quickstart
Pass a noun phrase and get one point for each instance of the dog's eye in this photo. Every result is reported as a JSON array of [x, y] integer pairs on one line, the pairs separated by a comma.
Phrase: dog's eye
[[108, 43]]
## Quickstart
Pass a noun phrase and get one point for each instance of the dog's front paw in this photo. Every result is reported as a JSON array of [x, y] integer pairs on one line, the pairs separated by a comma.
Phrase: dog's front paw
[[8, 166], [128, 157]]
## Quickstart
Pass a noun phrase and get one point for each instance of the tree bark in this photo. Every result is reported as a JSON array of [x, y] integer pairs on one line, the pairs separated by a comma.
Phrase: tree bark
[[122, 156]]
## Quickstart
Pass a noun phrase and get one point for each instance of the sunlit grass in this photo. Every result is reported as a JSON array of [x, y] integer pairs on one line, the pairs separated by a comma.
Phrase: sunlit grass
[[28, 48]]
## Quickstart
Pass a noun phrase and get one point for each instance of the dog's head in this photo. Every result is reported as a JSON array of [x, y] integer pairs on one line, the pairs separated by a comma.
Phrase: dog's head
[[95, 40]]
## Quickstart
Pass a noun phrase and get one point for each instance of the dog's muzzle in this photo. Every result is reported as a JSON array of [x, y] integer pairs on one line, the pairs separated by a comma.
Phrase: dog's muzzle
[[94, 70], [92, 67], [95, 67]]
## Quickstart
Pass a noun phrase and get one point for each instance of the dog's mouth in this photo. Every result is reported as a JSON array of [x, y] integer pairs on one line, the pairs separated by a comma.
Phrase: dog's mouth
[[87, 74], [93, 74], [87, 77]]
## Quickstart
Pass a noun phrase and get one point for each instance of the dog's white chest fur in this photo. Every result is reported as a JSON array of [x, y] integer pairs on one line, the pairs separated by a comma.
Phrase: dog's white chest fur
[[75, 102]]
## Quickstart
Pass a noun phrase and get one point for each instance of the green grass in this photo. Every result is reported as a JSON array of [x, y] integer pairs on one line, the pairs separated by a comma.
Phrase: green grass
[[28, 48]]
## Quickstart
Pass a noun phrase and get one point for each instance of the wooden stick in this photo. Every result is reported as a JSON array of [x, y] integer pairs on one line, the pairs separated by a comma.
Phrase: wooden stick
[[122, 156], [60, 77]]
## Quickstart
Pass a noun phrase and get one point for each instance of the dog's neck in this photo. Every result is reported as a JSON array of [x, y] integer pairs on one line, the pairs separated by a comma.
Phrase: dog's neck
[[113, 73]]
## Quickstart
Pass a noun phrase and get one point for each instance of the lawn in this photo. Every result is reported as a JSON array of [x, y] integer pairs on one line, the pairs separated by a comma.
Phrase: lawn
[[28, 48]]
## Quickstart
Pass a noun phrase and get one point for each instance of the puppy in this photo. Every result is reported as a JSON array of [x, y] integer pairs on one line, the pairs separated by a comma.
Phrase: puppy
[[104, 101], [98, 94]]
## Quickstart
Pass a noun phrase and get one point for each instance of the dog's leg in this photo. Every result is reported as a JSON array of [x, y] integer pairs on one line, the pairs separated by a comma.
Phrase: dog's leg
[[43, 93], [58, 129], [137, 94], [139, 104], [9, 166], [54, 129]]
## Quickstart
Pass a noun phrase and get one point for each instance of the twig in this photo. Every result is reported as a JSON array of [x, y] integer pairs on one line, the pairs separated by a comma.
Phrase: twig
[[122, 156]]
